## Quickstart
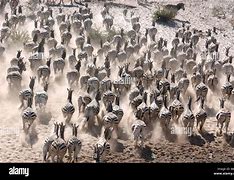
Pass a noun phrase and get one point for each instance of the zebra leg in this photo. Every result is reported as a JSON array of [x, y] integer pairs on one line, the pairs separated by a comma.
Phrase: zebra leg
[[75, 155], [226, 126], [69, 154], [201, 125], [221, 129], [53, 157]]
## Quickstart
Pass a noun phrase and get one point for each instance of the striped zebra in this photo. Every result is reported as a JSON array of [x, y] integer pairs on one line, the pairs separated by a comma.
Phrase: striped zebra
[[102, 147], [110, 119], [28, 116], [201, 89], [176, 108], [165, 115], [223, 116], [117, 110], [227, 88], [25, 94], [48, 141], [69, 109], [188, 117], [14, 79], [44, 71], [74, 145], [18, 65], [59, 64], [137, 131], [201, 115], [59, 146], [74, 75], [83, 101], [183, 83], [42, 97]]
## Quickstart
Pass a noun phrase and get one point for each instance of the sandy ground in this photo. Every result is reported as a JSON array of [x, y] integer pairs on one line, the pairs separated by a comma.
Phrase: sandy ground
[[200, 148]]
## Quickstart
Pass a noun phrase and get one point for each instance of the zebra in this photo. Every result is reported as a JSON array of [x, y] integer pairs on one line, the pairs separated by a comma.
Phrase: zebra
[[137, 131], [49, 140], [227, 88], [73, 145], [165, 115], [176, 108], [83, 101], [59, 64], [14, 79], [28, 116], [188, 117], [41, 97], [44, 71], [223, 116], [201, 89], [201, 115], [59, 146], [102, 147], [69, 109], [27, 93], [110, 119], [73, 75], [117, 110]]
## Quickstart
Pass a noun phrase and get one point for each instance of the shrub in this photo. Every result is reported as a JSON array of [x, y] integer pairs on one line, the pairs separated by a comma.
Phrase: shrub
[[164, 15], [96, 34], [218, 12], [231, 21], [19, 36]]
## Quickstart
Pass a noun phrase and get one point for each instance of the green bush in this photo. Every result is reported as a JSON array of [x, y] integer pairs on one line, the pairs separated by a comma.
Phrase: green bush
[[164, 15]]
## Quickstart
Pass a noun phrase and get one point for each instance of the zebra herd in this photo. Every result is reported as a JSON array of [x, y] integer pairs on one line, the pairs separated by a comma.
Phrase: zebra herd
[[163, 77]]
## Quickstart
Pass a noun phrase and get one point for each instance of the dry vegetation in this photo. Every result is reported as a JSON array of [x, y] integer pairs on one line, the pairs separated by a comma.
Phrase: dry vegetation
[[219, 12], [163, 15]]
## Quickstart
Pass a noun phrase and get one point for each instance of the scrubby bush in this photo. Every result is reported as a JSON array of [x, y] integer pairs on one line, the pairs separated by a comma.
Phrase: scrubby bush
[[19, 37], [164, 15], [218, 12]]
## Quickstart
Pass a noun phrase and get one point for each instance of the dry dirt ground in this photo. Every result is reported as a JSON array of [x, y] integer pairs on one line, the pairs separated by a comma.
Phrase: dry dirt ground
[[199, 148]]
